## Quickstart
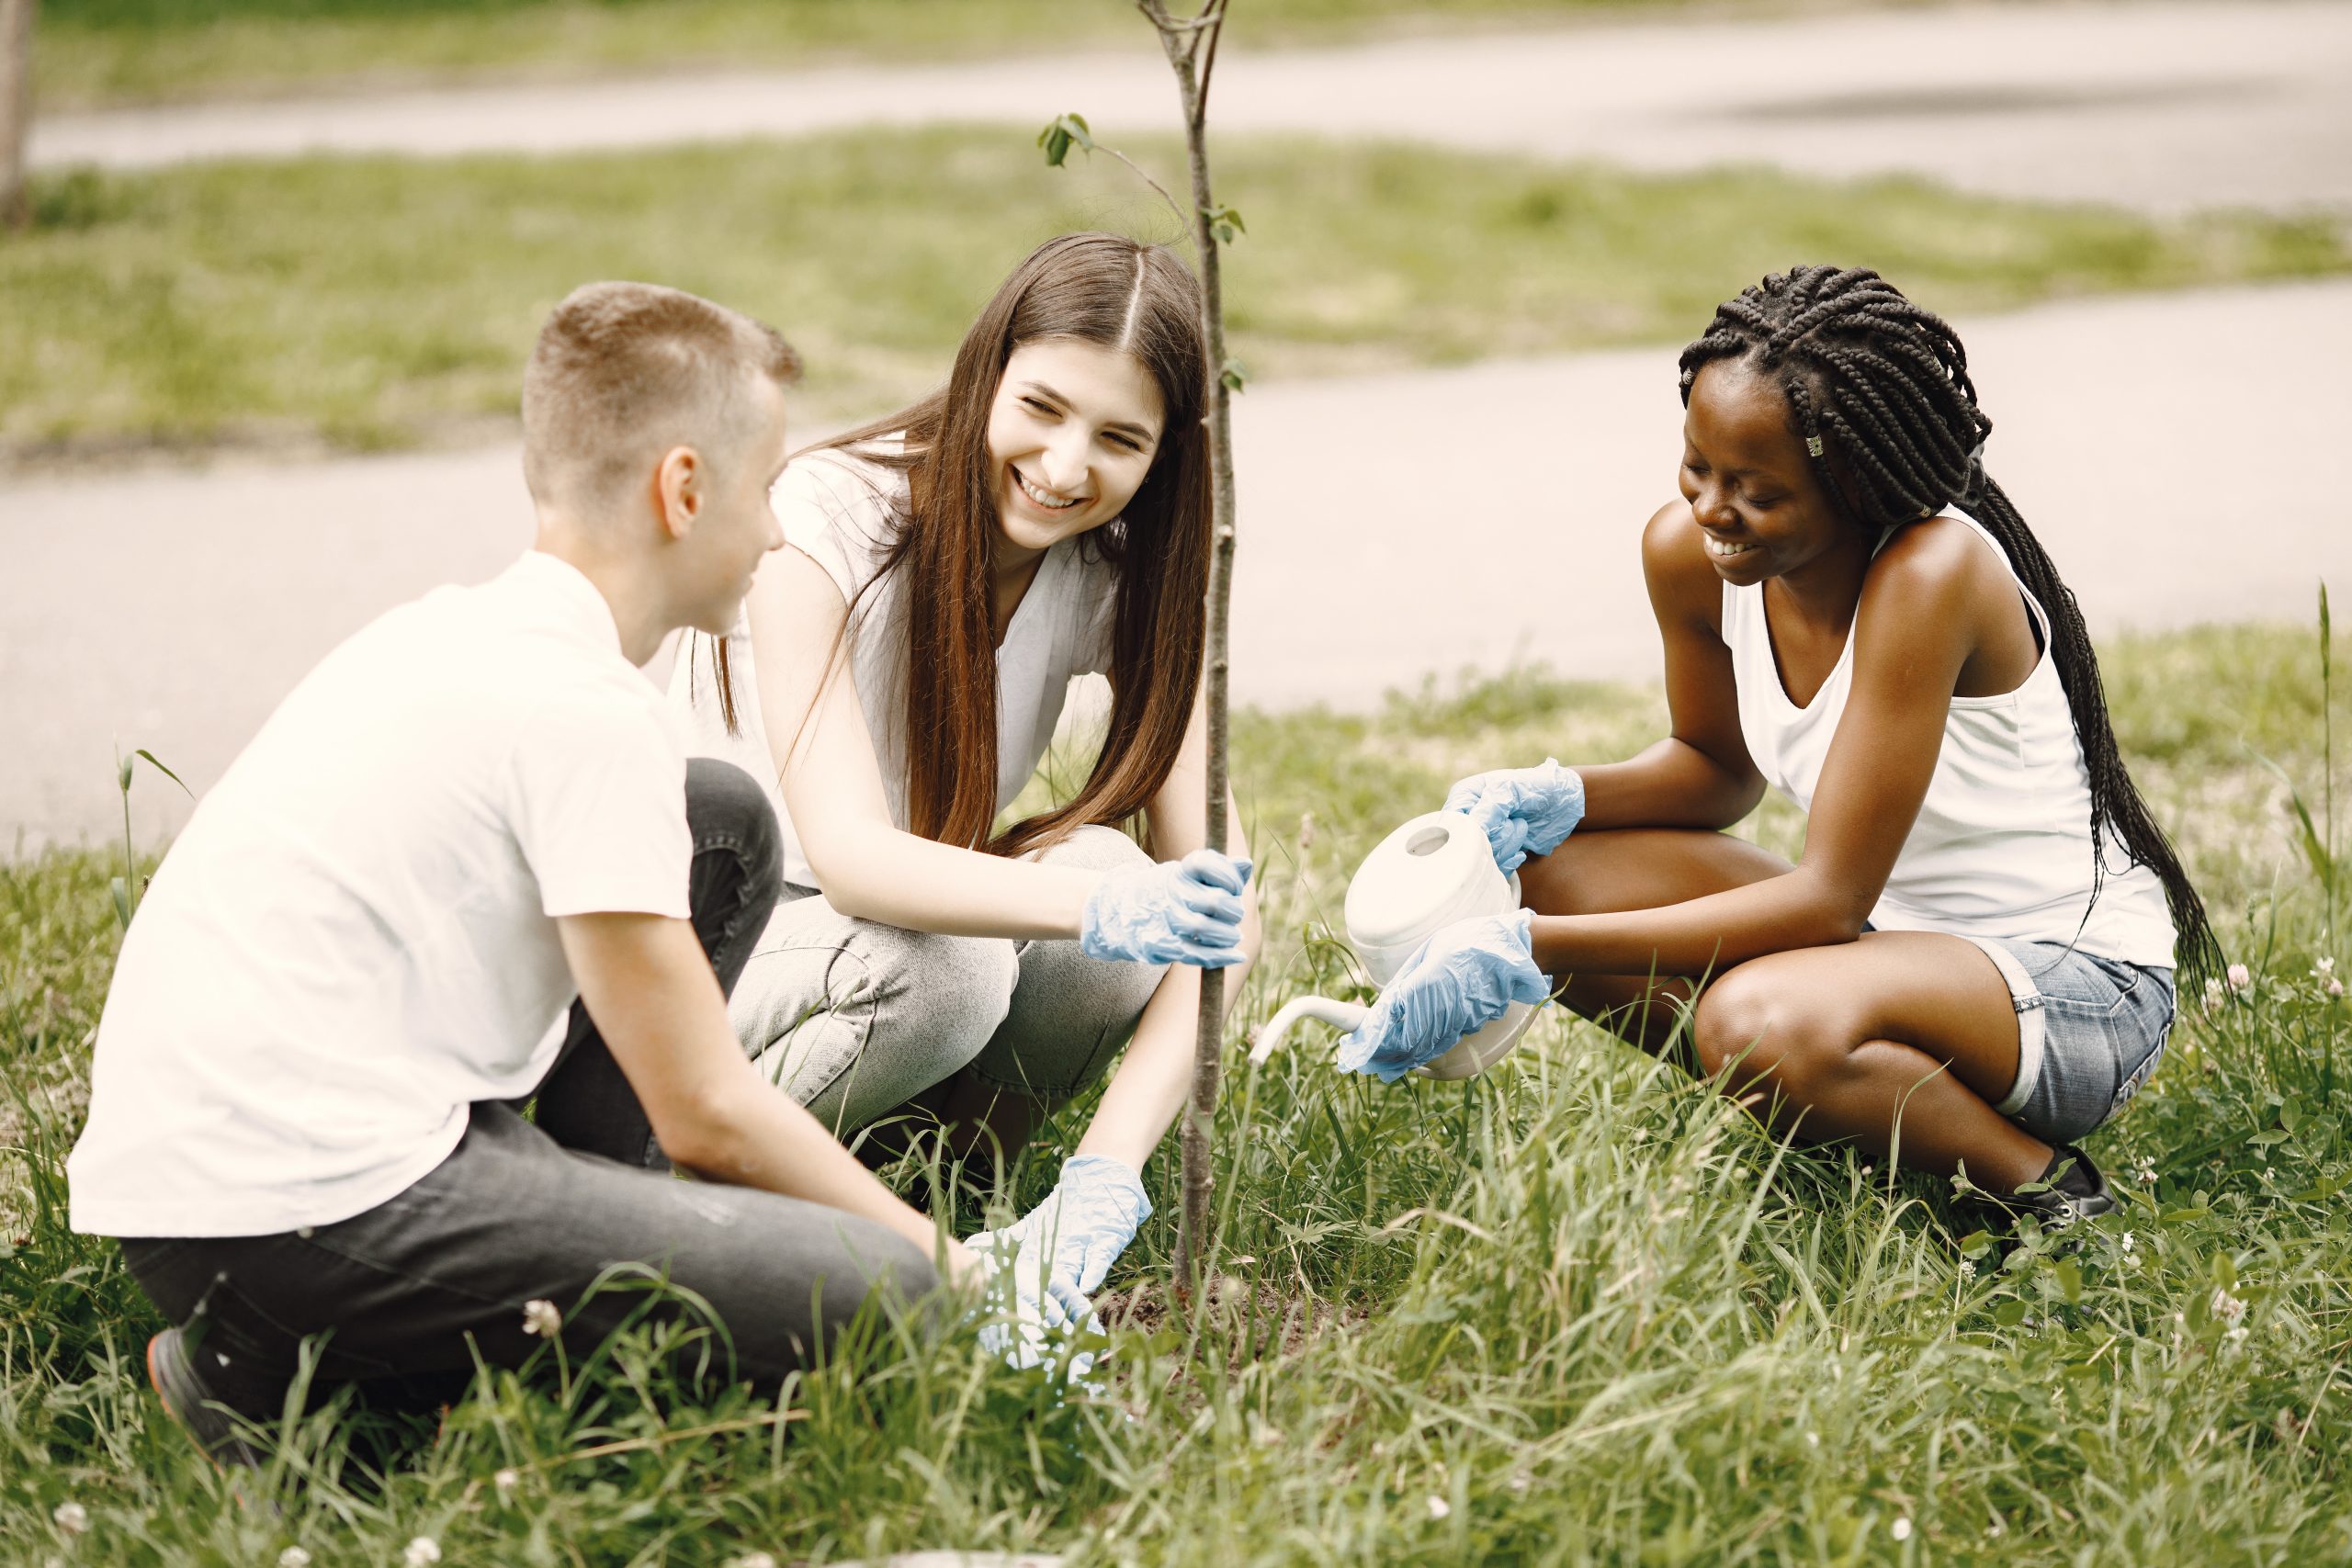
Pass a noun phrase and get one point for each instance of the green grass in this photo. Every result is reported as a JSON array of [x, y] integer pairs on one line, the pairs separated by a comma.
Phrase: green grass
[[96, 51], [1579, 1310], [376, 301]]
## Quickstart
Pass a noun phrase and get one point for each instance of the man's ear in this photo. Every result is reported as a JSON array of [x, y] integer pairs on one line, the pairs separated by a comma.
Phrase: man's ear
[[678, 486]]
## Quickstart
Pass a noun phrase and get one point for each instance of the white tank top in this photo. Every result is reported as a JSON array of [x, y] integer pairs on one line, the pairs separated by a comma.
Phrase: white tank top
[[2002, 847]]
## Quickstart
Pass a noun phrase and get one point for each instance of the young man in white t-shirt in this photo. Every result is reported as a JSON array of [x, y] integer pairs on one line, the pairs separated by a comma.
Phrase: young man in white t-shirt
[[363, 953]]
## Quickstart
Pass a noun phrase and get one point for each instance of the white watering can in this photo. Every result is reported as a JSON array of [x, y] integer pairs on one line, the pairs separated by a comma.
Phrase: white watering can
[[1431, 872]]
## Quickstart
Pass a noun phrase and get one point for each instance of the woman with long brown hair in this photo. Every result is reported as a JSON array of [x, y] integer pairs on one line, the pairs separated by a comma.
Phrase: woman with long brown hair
[[947, 572]]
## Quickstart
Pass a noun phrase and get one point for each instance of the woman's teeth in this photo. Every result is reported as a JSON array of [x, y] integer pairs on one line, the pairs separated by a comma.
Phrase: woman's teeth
[[1722, 549], [1045, 499]]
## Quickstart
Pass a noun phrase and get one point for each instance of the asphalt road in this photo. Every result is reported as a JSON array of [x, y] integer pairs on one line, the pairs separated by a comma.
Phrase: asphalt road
[[2161, 106], [2175, 453]]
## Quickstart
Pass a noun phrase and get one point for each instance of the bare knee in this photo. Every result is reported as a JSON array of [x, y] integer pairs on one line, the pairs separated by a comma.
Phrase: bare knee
[[1751, 1024]]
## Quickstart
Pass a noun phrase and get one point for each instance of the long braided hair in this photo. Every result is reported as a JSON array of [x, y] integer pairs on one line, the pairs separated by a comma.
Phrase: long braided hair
[[1879, 393]]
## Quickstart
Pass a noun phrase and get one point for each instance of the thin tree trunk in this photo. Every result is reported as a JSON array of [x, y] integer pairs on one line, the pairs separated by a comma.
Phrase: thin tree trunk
[[1192, 51], [16, 108]]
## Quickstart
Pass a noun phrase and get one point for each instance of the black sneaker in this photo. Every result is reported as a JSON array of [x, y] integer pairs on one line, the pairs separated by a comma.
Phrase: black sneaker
[[2071, 1190], [194, 1409]]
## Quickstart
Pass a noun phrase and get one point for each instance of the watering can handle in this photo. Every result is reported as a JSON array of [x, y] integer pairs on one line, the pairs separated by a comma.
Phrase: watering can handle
[[1339, 1015]]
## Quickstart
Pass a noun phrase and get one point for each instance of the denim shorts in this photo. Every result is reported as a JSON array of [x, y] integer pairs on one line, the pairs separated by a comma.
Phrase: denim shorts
[[2090, 1031]]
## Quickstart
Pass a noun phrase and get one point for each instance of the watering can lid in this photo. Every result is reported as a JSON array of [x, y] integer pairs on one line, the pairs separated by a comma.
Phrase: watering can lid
[[1431, 871]]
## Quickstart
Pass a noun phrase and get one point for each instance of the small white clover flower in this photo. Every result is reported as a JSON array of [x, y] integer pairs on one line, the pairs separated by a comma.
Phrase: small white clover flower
[[1440, 1507], [2227, 1307], [751, 1560], [2146, 1174], [293, 1557], [1813, 1439], [2237, 1335], [72, 1517], [2335, 987], [422, 1551], [1967, 1270], [506, 1481], [2324, 966], [1901, 1531], [2241, 977], [541, 1318], [1519, 1483], [2213, 989], [1994, 1530]]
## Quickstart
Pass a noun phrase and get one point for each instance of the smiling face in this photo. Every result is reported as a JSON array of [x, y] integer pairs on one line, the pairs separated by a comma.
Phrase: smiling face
[[1072, 435], [1752, 490]]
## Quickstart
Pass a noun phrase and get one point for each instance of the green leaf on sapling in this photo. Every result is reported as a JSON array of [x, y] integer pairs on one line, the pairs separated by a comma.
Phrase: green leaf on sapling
[[1063, 133]]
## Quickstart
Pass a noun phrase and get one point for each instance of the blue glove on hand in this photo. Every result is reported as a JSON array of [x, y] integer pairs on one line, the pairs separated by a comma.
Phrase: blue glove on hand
[[1026, 1315], [1074, 1235], [1179, 912], [1522, 811], [1461, 980]]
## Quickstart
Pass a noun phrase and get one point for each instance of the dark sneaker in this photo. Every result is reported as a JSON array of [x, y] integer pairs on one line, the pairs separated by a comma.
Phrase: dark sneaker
[[2072, 1189], [194, 1409]]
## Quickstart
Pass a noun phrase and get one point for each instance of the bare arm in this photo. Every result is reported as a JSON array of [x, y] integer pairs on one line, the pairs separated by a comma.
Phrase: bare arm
[[658, 1006], [1155, 1076], [1922, 609], [870, 867], [1700, 775]]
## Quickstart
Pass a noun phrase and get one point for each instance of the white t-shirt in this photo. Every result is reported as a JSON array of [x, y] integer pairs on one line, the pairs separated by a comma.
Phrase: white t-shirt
[[355, 937], [838, 510]]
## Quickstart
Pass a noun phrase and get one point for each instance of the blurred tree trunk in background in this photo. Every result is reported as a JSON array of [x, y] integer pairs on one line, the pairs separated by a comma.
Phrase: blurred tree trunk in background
[[16, 108]]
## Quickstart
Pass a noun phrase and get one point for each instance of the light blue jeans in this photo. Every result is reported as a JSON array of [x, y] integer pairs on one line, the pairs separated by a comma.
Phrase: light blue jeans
[[2090, 1031], [853, 1019]]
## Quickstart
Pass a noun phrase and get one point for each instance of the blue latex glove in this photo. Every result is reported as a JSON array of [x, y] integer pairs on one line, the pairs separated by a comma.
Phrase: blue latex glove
[[1027, 1317], [1461, 980], [1522, 811], [1179, 912], [1078, 1232]]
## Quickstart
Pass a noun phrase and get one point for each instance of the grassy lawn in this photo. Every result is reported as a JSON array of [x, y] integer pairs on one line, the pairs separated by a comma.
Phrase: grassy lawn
[[96, 51], [1580, 1310], [373, 300]]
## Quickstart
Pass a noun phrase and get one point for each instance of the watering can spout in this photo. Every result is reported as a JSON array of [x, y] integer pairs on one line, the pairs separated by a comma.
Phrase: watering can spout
[[1337, 1014]]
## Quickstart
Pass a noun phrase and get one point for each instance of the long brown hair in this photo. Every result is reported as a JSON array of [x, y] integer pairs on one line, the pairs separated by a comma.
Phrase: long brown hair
[[1093, 287]]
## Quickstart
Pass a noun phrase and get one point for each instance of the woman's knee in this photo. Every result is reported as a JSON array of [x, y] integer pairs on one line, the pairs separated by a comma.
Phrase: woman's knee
[[1095, 847], [1756, 1024]]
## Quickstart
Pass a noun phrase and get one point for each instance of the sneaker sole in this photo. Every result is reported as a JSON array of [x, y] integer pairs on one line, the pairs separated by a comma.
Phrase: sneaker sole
[[213, 1433]]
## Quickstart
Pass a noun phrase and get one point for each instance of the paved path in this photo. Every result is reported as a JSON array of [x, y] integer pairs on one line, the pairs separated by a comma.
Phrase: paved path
[[1390, 526], [2159, 106]]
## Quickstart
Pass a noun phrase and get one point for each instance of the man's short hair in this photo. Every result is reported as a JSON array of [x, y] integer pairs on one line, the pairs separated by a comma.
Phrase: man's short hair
[[625, 371]]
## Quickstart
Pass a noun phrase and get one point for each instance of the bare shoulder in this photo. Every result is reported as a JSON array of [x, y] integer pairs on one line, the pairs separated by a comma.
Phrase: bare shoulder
[[1674, 563], [1937, 565]]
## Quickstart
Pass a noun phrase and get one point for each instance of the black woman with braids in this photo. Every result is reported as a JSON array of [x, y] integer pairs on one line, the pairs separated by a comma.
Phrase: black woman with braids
[[1972, 966]]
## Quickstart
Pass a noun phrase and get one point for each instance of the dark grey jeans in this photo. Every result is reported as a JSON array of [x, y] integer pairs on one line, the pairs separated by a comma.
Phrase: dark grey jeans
[[409, 1290]]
